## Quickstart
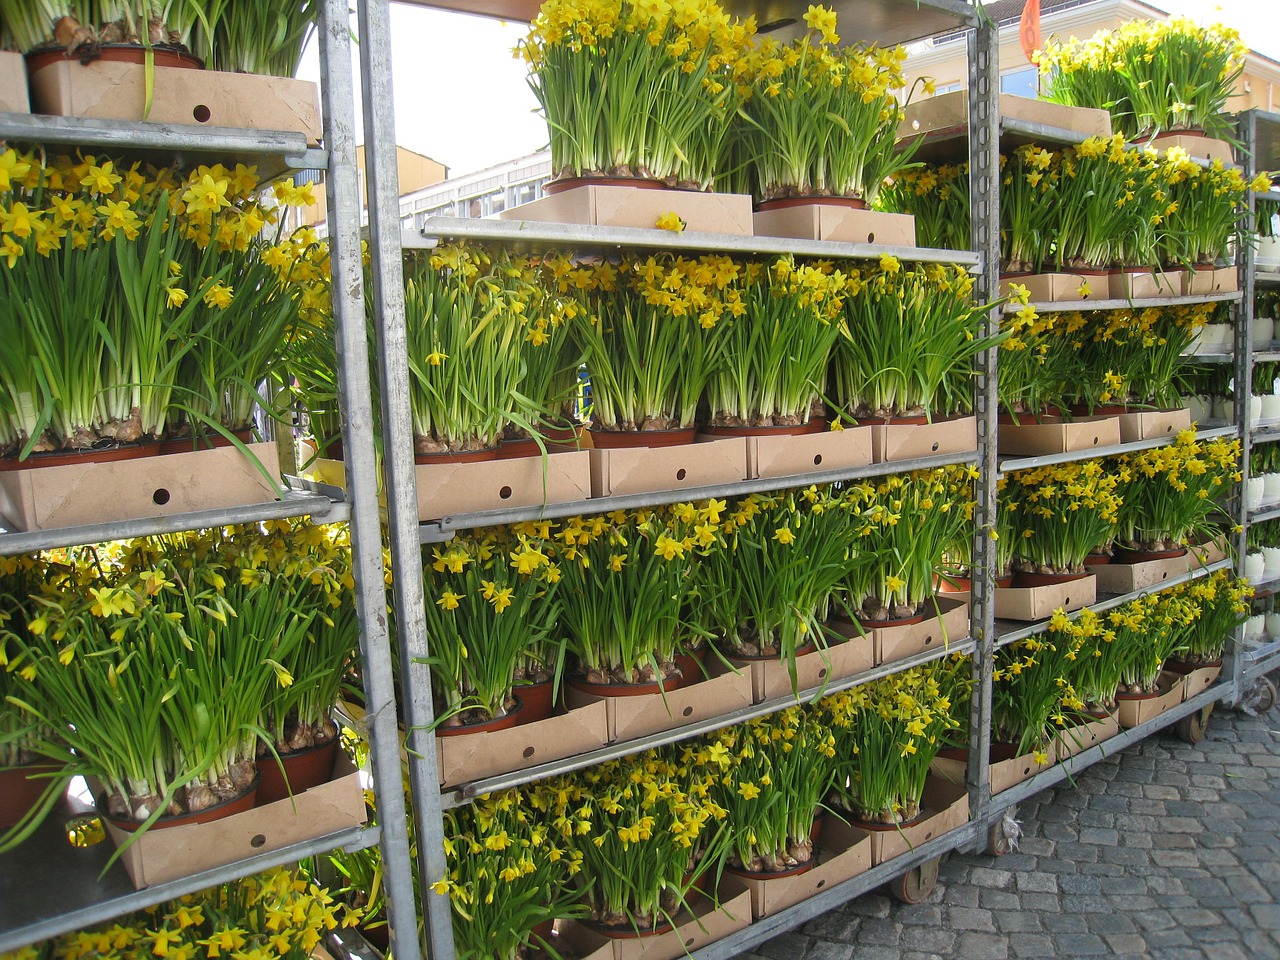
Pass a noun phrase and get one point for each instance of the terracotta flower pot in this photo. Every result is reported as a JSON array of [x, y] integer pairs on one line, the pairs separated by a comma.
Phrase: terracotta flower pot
[[893, 621], [21, 789], [785, 203], [653, 687], [876, 826], [303, 769], [1184, 667], [205, 441], [773, 874], [508, 720], [66, 458], [660, 926], [163, 56], [227, 808], [461, 456], [621, 439], [536, 701], [814, 425], [1045, 579], [569, 183], [1097, 560], [1127, 555]]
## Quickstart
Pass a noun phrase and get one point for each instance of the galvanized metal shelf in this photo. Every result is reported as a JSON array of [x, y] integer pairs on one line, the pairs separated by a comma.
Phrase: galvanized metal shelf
[[437, 531], [625, 748], [273, 151], [950, 144], [1014, 464], [54, 887], [321, 509], [1266, 279], [1265, 585], [1011, 631], [1086, 758], [1269, 510], [1062, 306], [1260, 662], [1266, 433], [529, 234]]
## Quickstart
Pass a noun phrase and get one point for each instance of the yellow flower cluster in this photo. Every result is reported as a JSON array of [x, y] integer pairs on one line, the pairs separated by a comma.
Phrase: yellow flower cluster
[[273, 916]]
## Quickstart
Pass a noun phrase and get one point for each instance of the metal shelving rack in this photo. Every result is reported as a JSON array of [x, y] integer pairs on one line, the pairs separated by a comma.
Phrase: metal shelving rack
[[1259, 134], [407, 534], [50, 887]]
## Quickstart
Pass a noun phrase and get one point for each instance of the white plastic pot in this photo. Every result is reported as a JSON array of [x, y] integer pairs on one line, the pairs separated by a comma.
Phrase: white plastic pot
[[1264, 330], [1254, 564], [1270, 407], [1254, 492], [1255, 409], [1273, 625], [1271, 486]]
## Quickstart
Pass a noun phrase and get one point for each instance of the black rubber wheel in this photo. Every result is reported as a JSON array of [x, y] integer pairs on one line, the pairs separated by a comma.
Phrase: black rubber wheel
[[1193, 727], [916, 884]]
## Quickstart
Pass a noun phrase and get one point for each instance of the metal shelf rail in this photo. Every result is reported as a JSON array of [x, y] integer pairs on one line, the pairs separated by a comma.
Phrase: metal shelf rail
[[1014, 464], [1062, 306]]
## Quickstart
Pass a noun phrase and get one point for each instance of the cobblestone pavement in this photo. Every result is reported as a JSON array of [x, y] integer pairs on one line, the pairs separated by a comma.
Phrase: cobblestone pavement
[[1165, 851]]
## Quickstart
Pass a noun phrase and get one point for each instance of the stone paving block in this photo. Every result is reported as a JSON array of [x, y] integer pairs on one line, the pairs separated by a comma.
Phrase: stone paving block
[[937, 940], [1065, 923], [971, 918], [1032, 945], [982, 946], [1038, 882], [826, 950], [879, 931]]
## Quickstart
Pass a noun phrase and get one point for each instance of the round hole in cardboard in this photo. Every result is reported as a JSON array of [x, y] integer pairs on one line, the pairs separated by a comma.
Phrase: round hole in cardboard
[[820, 884], [871, 238], [529, 752], [690, 942], [822, 674], [681, 473], [201, 113], [258, 841], [817, 460], [935, 446], [160, 497], [1096, 441], [505, 493], [929, 835], [687, 711], [1066, 600], [928, 640]]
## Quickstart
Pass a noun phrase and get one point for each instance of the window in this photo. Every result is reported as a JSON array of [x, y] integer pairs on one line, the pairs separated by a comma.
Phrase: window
[[1023, 82]]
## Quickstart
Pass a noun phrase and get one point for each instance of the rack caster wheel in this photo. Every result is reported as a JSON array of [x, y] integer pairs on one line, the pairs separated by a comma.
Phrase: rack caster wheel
[[1193, 727], [916, 884], [1265, 692]]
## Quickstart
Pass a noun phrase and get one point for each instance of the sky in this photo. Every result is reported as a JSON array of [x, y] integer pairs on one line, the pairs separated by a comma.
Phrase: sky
[[462, 99]]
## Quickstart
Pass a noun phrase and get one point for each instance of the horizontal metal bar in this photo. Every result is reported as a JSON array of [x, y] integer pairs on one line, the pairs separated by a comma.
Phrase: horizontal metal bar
[[1265, 278], [1014, 464], [1272, 195], [1266, 356], [1040, 132], [580, 236], [1260, 668], [1062, 306], [1269, 510], [1110, 603], [766, 928], [1209, 357], [1265, 434], [147, 135], [320, 509], [1264, 652], [1086, 758], [107, 907], [436, 531], [1264, 585], [625, 748]]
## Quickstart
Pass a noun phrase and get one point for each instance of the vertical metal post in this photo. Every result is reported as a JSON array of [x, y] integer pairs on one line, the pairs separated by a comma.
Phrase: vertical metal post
[[387, 268], [356, 401], [1243, 366], [984, 189]]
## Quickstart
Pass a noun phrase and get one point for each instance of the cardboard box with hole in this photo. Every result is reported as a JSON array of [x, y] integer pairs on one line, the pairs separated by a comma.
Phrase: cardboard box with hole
[[948, 114], [631, 717], [1153, 424], [1144, 285], [708, 923], [1076, 739], [1001, 774], [770, 679], [1132, 713], [625, 206], [948, 626], [1131, 577], [843, 852], [1202, 283], [809, 453], [445, 489], [1027, 438], [110, 90], [160, 856], [1058, 287], [40, 498], [1199, 680], [1203, 554], [617, 472], [13, 83], [1039, 603], [906, 441], [946, 806], [821, 221], [476, 756]]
